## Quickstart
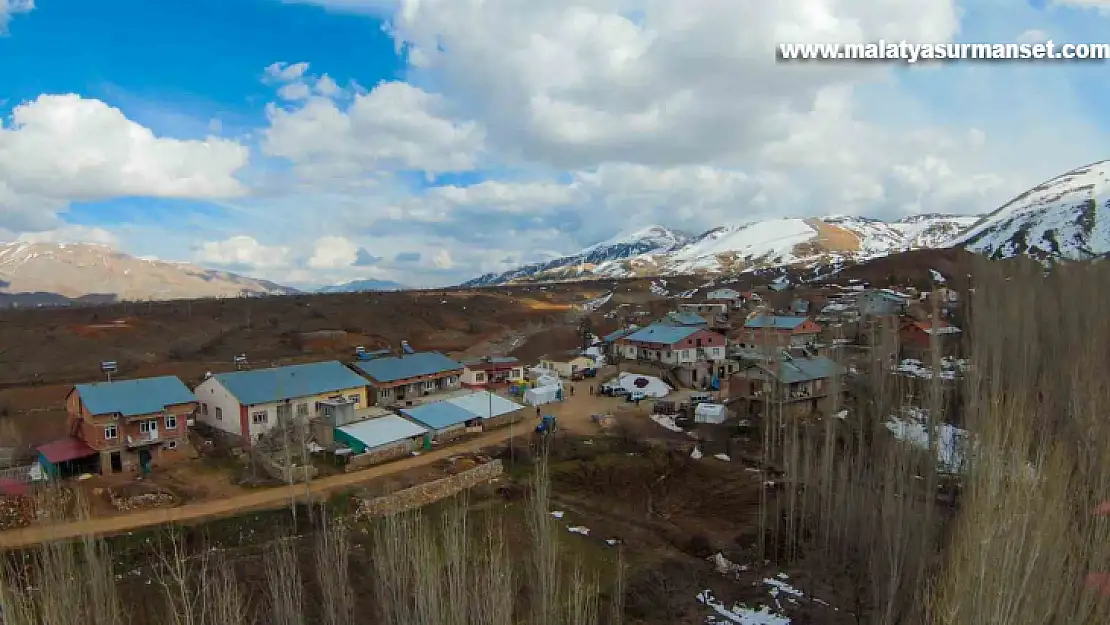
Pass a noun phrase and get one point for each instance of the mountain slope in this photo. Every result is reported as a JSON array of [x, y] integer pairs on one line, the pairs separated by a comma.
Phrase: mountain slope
[[359, 286], [656, 251], [76, 270], [596, 260], [1063, 218]]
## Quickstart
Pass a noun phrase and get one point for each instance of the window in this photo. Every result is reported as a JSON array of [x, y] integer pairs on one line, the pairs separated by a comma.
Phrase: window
[[354, 398], [685, 353], [429, 385], [302, 410], [479, 377], [219, 413], [171, 445], [110, 432], [171, 422], [204, 409], [260, 417], [148, 426]]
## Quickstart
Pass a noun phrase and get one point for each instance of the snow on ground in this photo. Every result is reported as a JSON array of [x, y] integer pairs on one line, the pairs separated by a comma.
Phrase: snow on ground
[[938, 277], [950, 368], [687, 294], [722, 457], [659, 287], [596, 304], [696, 454], [580, 530], [649, 385], [771, 240], [724, 566], [952, 443], [739, 613], [668, 422]]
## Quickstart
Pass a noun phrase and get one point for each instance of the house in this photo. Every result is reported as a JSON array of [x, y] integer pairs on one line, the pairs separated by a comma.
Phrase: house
[[247, 404], [729, 297], [710, 307], [916, 337], [492, 370], [762, 331], [401, 378], [786, 384], [673, 345], [129, 424], [382, 439], [450, 418], [566, 367], [609, 341], [686, 319], [881, 303], [751, 297]]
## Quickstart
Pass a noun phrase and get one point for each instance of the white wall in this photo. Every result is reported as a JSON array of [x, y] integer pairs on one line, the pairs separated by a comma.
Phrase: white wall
[[211, 395]]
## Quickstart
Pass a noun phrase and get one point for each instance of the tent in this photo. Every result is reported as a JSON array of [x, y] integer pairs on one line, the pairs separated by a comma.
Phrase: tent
[[549, 380], [542, 395], [710, 413]]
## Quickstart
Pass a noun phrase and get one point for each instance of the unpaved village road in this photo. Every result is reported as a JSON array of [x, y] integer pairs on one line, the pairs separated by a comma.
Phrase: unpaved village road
[[573, 414]]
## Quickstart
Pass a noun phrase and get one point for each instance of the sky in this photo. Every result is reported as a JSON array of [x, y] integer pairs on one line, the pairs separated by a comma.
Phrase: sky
[[315, 142]]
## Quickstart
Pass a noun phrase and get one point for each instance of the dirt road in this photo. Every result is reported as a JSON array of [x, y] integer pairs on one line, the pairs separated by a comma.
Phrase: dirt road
[[573, 415]]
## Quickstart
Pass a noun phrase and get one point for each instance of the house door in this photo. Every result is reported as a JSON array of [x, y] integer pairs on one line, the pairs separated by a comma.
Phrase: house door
[[116, 461], [284, 413], [144, 460]]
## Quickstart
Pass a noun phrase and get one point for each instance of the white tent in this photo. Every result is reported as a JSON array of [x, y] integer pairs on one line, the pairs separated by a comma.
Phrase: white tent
[[710, 413], [541, 395], [549, 380], [650, 386]]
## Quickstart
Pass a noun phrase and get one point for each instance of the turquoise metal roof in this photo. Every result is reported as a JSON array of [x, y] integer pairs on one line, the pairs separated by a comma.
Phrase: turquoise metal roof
[[408, 366], [262, 386], [439, 415], [684, 319], [134, 397], [382, 430], [775, 322], [659, 333], [620, 334]]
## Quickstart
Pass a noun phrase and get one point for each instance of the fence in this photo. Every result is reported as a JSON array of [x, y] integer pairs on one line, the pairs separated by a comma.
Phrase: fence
[[17, 474], [428, 493]]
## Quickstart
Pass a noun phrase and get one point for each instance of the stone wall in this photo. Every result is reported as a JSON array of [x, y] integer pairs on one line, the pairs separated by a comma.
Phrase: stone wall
[[505, 419], [380, 455], [281, 473], [430, 492]]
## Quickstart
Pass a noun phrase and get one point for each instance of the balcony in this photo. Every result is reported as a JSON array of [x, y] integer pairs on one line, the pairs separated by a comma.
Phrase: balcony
[[142, 438]]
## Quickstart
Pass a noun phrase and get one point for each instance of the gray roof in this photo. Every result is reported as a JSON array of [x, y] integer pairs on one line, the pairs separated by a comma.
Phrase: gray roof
[[659, 333], [439, 415], [684, 319], [803, 369], [620, 334], [415, 365], [382, 430], [134, 397], [261, 386]]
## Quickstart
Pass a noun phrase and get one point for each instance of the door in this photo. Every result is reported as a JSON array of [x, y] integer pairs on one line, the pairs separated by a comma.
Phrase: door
[[116, 461], [153, 429], [144, 460]]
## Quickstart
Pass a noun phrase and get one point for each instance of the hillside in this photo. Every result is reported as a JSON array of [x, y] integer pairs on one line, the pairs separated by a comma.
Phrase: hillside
[[78, 270], [811, 242], [1063, 218]]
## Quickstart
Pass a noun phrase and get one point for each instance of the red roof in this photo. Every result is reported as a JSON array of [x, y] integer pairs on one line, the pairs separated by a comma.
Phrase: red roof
[[66, 449], [12, 487]]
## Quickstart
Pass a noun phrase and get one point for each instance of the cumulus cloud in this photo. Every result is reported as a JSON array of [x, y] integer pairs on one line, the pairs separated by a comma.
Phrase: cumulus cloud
[[243, 251], [1103, 6], [11, 8], [69, 147], [334, 253], [72, 234]]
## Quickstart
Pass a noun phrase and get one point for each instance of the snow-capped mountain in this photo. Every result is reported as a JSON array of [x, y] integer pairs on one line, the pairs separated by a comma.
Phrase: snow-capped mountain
[[1064, 218], [361, 286], [81, 269], [614, 257], [657, 251]]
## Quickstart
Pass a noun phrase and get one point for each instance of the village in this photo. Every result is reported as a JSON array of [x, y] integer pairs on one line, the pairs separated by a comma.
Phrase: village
[[715, 362]]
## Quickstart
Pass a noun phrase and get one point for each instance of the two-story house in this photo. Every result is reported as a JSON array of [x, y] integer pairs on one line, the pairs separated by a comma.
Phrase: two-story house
[[672, 345], [132, 424], [247, 404], [774, 332], [786, 384], [400, 379]]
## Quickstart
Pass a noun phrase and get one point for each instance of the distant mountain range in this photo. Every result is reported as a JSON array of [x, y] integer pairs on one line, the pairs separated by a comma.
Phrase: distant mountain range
[[1064, 218], [359, 286]]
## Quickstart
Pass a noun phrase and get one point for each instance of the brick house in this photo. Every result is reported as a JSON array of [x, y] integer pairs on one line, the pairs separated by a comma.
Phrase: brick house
[[672, 345], [400, 379], [132, 424], [788, 384], [494, 370], [778, 332], [915, 337]]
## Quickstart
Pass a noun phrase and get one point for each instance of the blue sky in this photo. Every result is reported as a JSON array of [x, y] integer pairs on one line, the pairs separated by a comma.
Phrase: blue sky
[[290, 140]]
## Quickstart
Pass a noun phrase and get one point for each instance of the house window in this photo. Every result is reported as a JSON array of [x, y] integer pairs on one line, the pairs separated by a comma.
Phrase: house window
[[479, 377], [260, 417], [148, 426], [204, 409], [302, 410], [685, 353], [110, 432], [429, 385], [353, 398], [171, 445], [171, 422], [219, 413]]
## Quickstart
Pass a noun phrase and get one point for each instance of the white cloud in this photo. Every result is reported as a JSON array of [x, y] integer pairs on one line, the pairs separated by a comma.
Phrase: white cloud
[[72, 234], [11, 8], [1033, 35], [243, 251], [396, 126], [69, 147], [285, 72], [294, 91], [443, 260], [333, 253], [1102, 6]]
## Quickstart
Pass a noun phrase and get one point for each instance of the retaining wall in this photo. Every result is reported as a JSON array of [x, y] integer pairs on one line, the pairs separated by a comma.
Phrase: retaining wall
[[430, 492]]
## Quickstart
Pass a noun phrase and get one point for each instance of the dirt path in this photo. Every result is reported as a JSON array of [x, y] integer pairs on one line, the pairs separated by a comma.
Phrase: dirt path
[[573, 415]]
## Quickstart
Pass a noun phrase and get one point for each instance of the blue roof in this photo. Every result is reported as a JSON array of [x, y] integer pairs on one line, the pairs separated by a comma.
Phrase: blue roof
[[659, 333], [409, 366], [619, 334], [382, 430], [485, 404], [134, 397], [262, 386], [775, 321], [439, 415]]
